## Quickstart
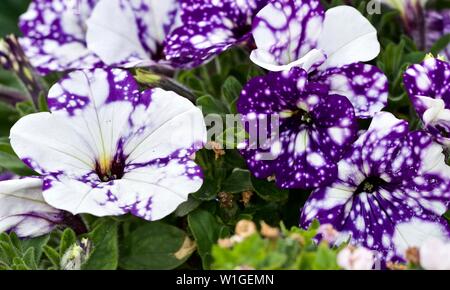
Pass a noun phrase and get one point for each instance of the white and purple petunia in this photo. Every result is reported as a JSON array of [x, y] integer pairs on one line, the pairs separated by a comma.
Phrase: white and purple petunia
[[63, 35], [208, 28], [330, 46], [315, 129], [23, 209], [131, 33], [55, 35], [428, 86], [108, 149], [437, 26], [392, 188]]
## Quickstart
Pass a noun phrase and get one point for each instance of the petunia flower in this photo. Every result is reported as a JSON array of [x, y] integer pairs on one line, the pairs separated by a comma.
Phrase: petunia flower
[[329, 45], [23, 209], [315, 129], [392, 188], [55, 35], [428, 86], [131, 33], [208, 28], [108, 149]]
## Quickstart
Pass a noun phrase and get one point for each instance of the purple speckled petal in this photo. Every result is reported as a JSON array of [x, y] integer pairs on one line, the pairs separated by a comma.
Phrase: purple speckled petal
[[149, 191], [364, 85], [23, 209], [285, 31], [261, 99], [315, 129], [310, 153], [89, 111], [428, 86], [392, 188], [54, 35], [113, 152], [131, 33], [209, 28]]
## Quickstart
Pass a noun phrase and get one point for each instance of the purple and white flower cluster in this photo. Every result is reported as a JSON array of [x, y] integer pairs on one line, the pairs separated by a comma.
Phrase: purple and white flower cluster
[[384, 188], [108, 148]]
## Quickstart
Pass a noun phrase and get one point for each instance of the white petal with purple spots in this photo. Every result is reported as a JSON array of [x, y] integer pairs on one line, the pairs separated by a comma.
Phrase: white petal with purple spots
[[286, 31], [364, 85], [392, 188], [24, 210], [131, 33], [328, 45], [428, 86], [54, 35], [208, 28]]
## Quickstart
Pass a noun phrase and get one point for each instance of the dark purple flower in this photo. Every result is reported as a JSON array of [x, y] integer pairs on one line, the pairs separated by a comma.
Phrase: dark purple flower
[[315, 129], [208, 28], [428, 86], [392, 188]]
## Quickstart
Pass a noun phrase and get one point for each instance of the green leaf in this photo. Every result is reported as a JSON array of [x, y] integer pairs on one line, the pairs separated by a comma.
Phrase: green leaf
[[155, 245], [268, 190], [387, 18], [37, 244], [391, 58], [208, 190], [325, 258], [26, 108], [231, 91], [209, 105], [105, 253], [206, 230], [254, 71], [52, 255], [440, 44], [232, 136], [29, 259], [19, 264], [8, 116], [8, 253], [9, 14], [68, 238], [188, 206], [238, 181], [43, 106]]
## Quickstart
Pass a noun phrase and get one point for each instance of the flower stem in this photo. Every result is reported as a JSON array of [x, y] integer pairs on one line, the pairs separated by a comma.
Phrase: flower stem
[[11, 96], [154, 79]]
